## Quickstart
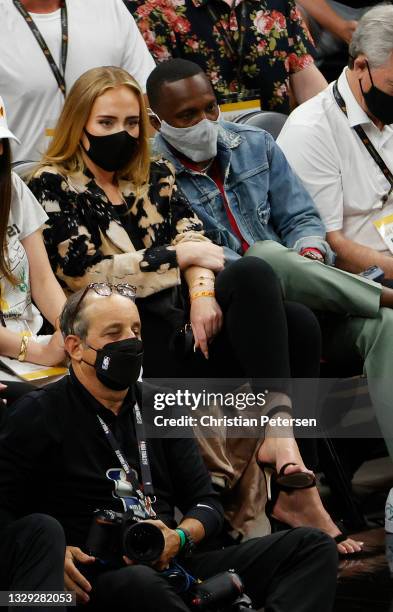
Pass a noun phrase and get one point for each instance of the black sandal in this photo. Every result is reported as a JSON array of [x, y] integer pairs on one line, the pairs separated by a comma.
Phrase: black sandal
[[276, 482]]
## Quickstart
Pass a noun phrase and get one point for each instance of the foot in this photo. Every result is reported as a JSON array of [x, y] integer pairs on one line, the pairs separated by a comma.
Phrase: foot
[[280, 451], [304, 508], [301, 507]]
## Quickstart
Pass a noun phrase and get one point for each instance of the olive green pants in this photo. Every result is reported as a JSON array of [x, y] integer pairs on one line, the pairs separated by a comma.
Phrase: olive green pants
[[364, 329]]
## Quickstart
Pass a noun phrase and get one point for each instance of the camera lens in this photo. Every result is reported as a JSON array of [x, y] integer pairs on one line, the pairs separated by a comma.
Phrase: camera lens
[[143, 542]]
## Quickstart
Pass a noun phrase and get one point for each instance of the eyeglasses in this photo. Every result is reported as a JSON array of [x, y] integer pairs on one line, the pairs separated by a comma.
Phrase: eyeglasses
[[104, 289]]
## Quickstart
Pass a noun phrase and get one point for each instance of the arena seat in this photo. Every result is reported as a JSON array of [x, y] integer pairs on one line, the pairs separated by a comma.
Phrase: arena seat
[[23, 168], [266, 120]]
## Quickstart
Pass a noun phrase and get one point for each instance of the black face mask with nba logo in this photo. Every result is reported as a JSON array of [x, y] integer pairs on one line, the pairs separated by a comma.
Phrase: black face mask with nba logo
[[118, 364]]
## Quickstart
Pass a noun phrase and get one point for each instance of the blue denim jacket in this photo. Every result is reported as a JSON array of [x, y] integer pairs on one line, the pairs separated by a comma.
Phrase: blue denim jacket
[[264, 195]]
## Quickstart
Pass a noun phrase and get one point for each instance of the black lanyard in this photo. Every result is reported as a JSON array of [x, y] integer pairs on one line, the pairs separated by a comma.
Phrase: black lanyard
[[366, 141], [236, 53], [147, 495], [60, 77]]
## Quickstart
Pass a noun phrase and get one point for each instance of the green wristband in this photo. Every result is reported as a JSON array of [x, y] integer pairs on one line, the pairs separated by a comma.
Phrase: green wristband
[[182, 537]]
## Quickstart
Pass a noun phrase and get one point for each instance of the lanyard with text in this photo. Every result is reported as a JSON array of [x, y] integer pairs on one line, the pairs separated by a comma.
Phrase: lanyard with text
[[59, 76], [366, 141], [147, 495]]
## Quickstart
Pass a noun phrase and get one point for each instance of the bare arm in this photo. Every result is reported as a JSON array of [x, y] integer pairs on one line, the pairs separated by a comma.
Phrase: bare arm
[[50, 354], [205, 313], [355, 257], [45, 290], [328, 19], [307, 83]]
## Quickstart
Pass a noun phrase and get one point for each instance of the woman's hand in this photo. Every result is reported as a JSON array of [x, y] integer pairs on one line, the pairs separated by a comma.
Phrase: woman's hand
[[206, 321], [52, 354], [203, 254]]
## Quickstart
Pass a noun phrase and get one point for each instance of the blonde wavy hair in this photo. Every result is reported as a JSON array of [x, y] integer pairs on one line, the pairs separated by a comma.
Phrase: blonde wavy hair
[[65, 152]]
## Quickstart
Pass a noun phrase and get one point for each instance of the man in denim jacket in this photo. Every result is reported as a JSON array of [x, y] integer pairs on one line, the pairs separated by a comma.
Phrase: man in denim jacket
[[241, 186]]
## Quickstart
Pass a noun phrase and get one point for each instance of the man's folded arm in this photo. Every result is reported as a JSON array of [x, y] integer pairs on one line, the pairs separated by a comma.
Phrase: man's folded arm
[[355, 257], [295, 217]]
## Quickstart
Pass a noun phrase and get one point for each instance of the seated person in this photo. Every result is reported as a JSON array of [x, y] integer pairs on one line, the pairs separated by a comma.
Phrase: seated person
[[250, 50], [61, 431], [32, 552], [333, 23], [114, 215], [240, 185], [25, 273], [349, 180]]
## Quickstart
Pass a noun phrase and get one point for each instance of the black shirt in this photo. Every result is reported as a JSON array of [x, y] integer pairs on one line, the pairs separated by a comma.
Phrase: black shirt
[[55, 459], [122, 211]]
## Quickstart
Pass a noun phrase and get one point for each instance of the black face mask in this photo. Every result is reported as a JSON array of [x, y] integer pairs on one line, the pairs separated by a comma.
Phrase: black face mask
[[111, 152], [118, 364], [379, 103]]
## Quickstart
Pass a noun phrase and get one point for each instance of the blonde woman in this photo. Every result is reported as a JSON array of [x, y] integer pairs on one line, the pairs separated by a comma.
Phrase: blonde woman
[[115, 216]]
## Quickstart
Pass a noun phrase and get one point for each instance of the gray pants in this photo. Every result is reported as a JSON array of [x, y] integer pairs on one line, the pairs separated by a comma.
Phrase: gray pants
[[364, 329]]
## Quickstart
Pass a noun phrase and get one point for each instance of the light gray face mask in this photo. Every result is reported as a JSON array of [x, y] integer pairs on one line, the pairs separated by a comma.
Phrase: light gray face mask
[[198, 142]]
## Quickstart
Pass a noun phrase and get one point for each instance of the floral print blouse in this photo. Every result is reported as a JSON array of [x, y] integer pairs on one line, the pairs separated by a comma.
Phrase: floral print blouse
[[252, 49]]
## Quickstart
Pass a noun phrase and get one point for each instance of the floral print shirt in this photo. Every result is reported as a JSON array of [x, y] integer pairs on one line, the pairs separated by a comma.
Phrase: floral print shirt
[[251, 49]]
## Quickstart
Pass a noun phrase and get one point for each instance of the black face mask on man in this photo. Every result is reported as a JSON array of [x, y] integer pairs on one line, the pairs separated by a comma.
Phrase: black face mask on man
[[111, 152], [379, 103], [118, 364]]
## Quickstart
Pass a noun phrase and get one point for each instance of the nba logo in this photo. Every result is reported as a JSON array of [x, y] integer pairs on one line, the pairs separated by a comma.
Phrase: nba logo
[[105, 363]]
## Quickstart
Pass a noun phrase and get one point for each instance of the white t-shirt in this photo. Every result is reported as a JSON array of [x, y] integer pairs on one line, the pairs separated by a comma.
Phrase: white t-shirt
[[26, 217], [335, 167], [101, 33]]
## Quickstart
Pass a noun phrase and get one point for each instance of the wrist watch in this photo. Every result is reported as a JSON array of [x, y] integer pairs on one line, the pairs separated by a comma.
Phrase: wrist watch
[[189, 544]]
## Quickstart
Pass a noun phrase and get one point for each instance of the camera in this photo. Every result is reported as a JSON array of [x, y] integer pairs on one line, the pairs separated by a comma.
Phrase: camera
[[114, 534], [221, 593]]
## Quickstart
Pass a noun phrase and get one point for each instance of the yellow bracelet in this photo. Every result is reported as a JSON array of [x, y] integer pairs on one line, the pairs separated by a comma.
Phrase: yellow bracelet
[[23, 347], [198, 294], [202, 284]]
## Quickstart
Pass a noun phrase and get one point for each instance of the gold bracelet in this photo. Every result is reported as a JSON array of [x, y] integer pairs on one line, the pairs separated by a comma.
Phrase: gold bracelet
[[199, 280], [198, 294], [23, 347], [202, 284]]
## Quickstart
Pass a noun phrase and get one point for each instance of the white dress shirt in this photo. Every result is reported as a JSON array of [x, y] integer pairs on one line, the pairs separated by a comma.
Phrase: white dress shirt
[[345, 182]]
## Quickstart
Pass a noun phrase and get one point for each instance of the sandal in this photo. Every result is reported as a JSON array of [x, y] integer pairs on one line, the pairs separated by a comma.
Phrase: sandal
[[276, 482]]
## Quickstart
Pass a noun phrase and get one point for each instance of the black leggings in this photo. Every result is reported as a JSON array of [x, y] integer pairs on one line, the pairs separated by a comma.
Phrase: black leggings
[[262, 337], [292, 570]]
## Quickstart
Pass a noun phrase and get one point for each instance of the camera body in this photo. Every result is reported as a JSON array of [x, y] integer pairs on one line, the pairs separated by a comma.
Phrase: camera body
[[114, 534]]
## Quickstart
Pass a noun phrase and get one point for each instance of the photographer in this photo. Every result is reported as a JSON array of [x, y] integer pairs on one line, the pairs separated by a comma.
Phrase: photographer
[[67, 450]]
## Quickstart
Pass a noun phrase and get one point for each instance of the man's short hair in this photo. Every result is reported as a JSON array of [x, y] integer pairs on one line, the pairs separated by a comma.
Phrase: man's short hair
[[373, 37], [71, 324], [169, 72]]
